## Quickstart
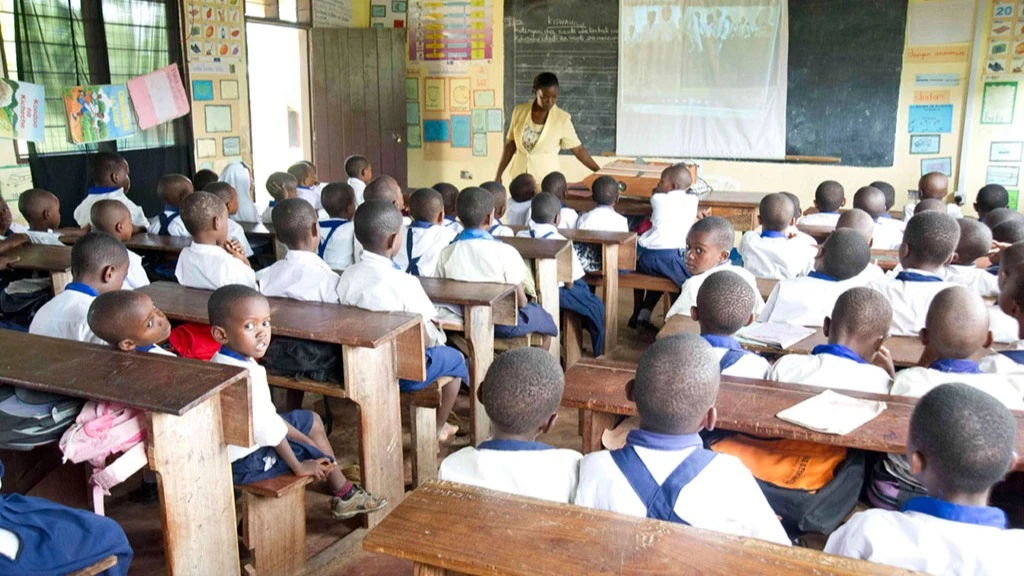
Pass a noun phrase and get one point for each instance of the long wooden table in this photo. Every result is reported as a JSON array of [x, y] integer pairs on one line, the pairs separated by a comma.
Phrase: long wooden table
[[52, 260], [552, 264], [194, 410], [739, 208]]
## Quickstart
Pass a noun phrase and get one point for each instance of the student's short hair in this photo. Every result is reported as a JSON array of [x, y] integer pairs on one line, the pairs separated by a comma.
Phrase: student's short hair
[[375, 221], [278, 182], [204, 178], [523, 188], [930, 205], [425, 204], [33, 201], [198, 210], [474, 205], [957, 323], [522, 388], [845, 254], [224, 299], [301, 170], [449, 196], [544, 80], [545, 208], [383, 187], [355, 164], [725, 302], [858, 220], [933, 185], [293, 219], [990, 197], [966, 435], [498, 193], [776, 212], [103, 163], [173, 183], [1011, 257], [105, 214], [222, 190], [797, 210], [888, 190], [555, 183], [676, 383], [862, 312], [975, 240], [932, 236], [95, 251], [111, 313], [679, 175], [999, 215], [337, 196], [828, 196], [605, 191], [870, 200], [722, 232], [1009, 231]]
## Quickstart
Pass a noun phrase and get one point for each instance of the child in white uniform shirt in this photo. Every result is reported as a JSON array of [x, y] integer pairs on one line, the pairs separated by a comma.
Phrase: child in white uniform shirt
[[603, 218], [449, 196], [664, 462], [360, 173], [308, 184], [960, 443], [990, 197], [1004, 326], [424, 239], [293, 442], [854, 358], [110, 181], [556, 184], [932, 186], [521, 393], [280, 186], [99, 264], [41, 209], [888, 232], [500, 196], [861, 222], [112, 217], [229, 195], [212, 260], [928, 245], [829, 197], [172, 189], [975, 243], [522, 189], [1011, 302], [128, 321], [337, 233], [725, 303], [771, 253], [301, 275]]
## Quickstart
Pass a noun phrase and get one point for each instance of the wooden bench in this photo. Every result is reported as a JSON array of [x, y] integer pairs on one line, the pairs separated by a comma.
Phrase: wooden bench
[[422, 406], [447, 528], [101, 566], [739, 208], [52, 260], [274, 524], [552, 265], [637, 281]]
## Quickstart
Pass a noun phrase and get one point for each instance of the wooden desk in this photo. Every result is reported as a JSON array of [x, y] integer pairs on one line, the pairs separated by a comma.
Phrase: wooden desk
[[258, 230], [377, 349], [496, 533], [53, 260], [552, 264], [158, 244], [739, 208], [765, 286], [194, 409]]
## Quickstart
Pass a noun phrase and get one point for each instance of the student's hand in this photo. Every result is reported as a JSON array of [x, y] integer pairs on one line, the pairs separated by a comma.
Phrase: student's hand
[[18, 240], [997, 249], [702, 214], [6, 261], [234, 248], [318, 469], [883, 359]]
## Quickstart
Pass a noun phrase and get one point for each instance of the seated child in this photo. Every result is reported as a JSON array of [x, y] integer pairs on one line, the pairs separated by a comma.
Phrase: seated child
[[707, 251], [960, 443], [427, 235], [376, 283], [1009, 231], [476, 257], [556, 184], [226, 192], [281, 186], [990, 197], [975, 243], [128, 321], [172, 189], [603, 218], [500, 196], [854, 358], [449, 196], [385, 187], [793, 231], [1003, 325], [203, 178], [890, 195], [360, 173], [302, 274], [888, 233], [861, 222], [112, 217], [930, 205], [829, 197], [928, 245], [12, 234], [664, 472], [576, 297], [999, 215], [292, 442], [807, 300], [1010, 305], [110, 181], [935, 186], [521, 393], [308, 185], [522, 189], [41, 209], [337, 233], [211, 261], [772, 253], [725, 303], [99, 264]]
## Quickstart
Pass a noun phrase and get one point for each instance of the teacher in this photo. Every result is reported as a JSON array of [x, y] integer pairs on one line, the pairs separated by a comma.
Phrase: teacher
[[538, 130]]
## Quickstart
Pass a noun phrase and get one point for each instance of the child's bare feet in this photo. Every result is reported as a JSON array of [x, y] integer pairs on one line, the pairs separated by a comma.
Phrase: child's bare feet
[[446, 433]]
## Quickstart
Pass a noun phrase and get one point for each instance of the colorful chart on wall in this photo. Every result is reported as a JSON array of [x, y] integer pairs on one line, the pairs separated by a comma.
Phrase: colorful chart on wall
[[450, 31], [98, 113], [1006, 39], [158, 96], [23, 107], [214, 29]]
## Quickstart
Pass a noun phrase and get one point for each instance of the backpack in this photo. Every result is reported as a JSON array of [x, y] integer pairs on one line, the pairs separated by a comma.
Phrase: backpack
[[29, 419]]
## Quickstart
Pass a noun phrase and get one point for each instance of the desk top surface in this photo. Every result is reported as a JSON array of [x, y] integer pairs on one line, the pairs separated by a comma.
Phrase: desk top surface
[[40, 258]]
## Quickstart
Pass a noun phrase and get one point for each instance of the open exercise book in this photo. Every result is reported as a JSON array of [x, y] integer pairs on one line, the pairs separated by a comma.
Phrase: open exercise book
[[775, 335], [832, 413]]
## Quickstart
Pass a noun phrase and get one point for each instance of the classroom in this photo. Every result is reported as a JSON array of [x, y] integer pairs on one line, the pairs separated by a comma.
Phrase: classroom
[[410, 287]]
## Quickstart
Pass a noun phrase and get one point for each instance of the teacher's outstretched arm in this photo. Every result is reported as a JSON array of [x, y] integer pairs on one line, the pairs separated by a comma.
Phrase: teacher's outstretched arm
[[506, 157], [581, 154]]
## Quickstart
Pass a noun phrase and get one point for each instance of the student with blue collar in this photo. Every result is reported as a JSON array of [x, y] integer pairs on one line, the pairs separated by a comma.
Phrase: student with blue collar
[[427, 235], [128, 321], [171, 189], [280, 186], [227, 193], [772, 253], [960, 443], [975, 243], [555, 183], [522, 189], [212, 260], [829, 197], [500, 195], [110, 181], [301, 275], [725, 303], [521, 393], [308, 184], [112, 217], [449, 196], [664, 472], [1010, 305], [337, 242], [41, 209], [888, 232], [360, 173]]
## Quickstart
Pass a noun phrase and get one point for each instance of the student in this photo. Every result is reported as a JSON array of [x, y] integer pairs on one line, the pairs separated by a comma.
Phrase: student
[[975, 243], [1010, 305], [771, 253], [449, 196], [474, 256], [427, 235], [890, 195], [302, 274], [500, 196], [928, 246], [227, 193], [829, 197], [337, 233], [308, 184], [1004, 326], [211, 261], [239, 176], [930, 205], [854, 358], [859, 221], [280, 186], [662, 249], [933, 185], [203, 178], [999, 215], [110, 181], [385, 187], [521, 393], [725, 303], [171, 189], [128, 321], [960, 443], [522, 189], [576, 297], [113, 217], [292, 442], [41, 209], [708, 245], [99, 264], [807, 300], [360, 173], [675, 390], [556, 184], [376, 283], [1009, 231], [12, 234], [603, 218], [793, 231], [989, 198], [888, 234]]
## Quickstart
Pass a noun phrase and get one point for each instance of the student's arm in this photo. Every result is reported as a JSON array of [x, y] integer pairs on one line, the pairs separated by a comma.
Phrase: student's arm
[[581, 154], [883, 359], [506, 157], [521, 299], [236, 250], [318, 469], [13, 242]]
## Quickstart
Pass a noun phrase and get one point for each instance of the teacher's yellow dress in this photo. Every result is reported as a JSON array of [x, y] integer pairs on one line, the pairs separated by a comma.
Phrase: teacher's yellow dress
[[537, 147]]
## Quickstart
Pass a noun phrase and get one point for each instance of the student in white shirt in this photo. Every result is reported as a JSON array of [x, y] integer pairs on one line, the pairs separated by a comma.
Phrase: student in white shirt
[[829, 197], [855, 357], [280, 186], [556, 184], [861, 222], [522, 189], [771, 253], [110, 181], [240, 177], [337, 233], [500, 196], [990, 197], [171, 189], [12, 234], [888, 233], [449, 196], [975, 243], [377, 283], [424, 239], [603, 218], [1009, 231], [41, 209], [227, 193], [308, 184], [99, 264], [385, 187], [793, 231], [960, 443], [725, 303], [665, 461], [128, 321], [293, 442], [1011, 305], [928, 246], [112, 217], [212, 260], [360, 173], [521, 393], [302, 274], [890, 195], [932, 186]]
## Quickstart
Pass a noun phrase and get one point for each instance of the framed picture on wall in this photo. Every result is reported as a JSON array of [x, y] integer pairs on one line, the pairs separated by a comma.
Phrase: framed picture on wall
[[943, 165], [925, 143], [1006, 152]]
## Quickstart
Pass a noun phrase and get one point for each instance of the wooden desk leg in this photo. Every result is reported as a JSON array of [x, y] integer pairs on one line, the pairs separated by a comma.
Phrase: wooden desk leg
[[610, 264], [479, 331], [60, 280], [547, 296], [197, 503], [594, 425], [371, 381]]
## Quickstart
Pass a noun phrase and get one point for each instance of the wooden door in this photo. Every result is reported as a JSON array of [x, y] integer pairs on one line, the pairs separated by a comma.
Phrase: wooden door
[[358, 100]]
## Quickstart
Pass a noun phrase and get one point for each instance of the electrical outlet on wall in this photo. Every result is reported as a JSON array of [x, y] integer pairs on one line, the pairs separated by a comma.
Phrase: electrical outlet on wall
[[466, 175]]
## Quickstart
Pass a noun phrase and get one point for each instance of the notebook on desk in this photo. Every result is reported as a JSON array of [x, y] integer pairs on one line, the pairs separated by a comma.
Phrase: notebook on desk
[[776, 335]]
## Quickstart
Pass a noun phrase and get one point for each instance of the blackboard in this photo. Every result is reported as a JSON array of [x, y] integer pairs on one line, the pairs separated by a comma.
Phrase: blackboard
[[845, 65]]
